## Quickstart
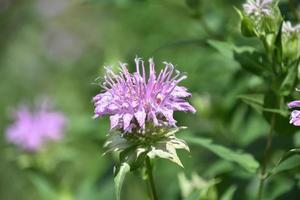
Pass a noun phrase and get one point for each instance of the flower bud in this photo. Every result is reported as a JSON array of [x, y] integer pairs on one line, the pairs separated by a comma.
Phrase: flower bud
[[260, 18], [290, 40]]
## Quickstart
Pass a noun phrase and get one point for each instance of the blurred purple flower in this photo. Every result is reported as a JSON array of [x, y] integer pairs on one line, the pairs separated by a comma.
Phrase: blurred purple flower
[[257, 7], [31, 130], [131, 100], [295, 115]]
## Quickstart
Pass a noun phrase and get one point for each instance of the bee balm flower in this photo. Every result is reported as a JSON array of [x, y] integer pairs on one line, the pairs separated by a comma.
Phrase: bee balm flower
[[132, 99], [32, 130]]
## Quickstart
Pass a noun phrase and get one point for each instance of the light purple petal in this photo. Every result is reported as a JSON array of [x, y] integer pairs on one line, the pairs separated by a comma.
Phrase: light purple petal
[[183, 106], [295, 118], [180, 91], [153, 117], [140, 116], [294, 104], [114, 121], [169, 116], [126, 120]]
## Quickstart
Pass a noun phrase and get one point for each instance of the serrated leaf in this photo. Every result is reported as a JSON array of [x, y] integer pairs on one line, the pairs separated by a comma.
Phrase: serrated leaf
[[172, 131], [245, 160], [119, 179], [166, 151], [178, 143]]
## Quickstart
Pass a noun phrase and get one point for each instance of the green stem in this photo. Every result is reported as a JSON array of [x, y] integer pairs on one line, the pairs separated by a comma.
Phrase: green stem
[[150, 178], [265, 159]]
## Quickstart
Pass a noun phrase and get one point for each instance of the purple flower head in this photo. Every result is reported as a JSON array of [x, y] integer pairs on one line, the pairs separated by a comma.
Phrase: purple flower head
[[257, 7], [32, 129], [132, 99], [295, 115]]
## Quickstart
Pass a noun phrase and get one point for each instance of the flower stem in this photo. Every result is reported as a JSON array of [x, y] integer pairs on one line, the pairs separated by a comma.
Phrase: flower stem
[[265, 159], [150, 178]]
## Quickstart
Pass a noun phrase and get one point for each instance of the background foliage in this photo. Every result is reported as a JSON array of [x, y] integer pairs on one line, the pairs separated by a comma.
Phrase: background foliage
[[58, 48]]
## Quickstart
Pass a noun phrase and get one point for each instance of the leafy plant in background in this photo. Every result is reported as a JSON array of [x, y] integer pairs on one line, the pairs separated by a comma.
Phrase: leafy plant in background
[[277, 65], [141, 117]]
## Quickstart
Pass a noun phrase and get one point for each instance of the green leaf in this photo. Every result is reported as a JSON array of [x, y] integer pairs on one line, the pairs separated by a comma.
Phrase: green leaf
[[115, 142], [252, 61], [165, 150], [247, 26], [178, 143], [134, 156], [228, 195], [288, 83], [278, 45], [119, 178], [274, 106], [289, 164], [289, 160], [224, 48], [172, 131], [197, 187], [245, 160], [43, 186], [256, 101]]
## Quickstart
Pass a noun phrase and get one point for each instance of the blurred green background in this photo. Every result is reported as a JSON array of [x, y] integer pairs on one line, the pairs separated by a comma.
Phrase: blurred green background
[[57, 48]]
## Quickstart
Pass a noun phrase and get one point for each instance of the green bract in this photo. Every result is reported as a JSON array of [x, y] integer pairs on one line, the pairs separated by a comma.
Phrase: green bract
[[155, 142], [134, 148]]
